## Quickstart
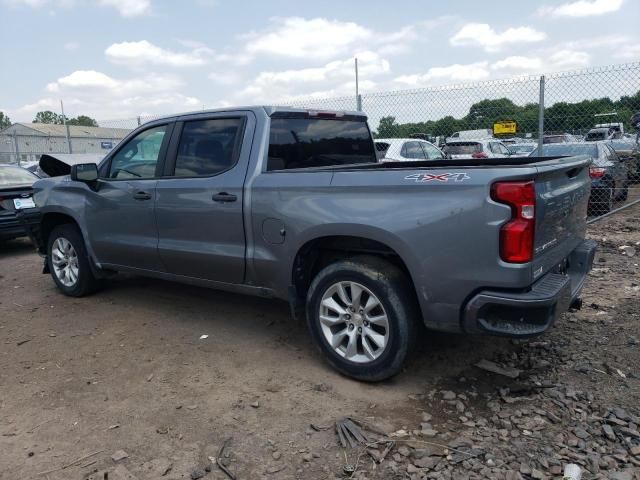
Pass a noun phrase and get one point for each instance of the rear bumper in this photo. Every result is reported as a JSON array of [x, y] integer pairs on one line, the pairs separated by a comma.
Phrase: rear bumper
[[524, 314]]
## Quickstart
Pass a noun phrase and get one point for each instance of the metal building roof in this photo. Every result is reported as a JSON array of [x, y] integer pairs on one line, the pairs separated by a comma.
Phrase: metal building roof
[[74, 130]]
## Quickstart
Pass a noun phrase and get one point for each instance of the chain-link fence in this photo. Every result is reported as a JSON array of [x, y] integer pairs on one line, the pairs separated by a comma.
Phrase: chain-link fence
[[563, 112]]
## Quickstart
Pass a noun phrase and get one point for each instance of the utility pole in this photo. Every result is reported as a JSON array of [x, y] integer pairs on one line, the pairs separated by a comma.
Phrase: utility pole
[[541, 118], [15, 145], [66, 127], [358, 97]]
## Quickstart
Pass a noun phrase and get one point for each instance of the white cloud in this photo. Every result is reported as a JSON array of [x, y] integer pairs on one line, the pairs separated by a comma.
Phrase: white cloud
[[298, 37], [452, 73], [333, 79], [581, 8], [483, 35], [71, 46], [518, 62], [548, 61], [93, 93], [569, 59], [143, 52], [630, 52], [128, 8]]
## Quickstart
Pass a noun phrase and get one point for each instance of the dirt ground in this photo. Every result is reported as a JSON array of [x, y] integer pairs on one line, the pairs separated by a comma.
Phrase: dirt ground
[[126, 369]]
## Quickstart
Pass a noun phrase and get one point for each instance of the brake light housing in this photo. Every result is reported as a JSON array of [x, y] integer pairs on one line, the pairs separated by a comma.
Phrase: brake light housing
[[517, 234], [596, 172]]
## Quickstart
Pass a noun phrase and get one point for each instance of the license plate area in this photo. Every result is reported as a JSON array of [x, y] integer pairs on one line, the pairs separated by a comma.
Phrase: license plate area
[[22, 203]]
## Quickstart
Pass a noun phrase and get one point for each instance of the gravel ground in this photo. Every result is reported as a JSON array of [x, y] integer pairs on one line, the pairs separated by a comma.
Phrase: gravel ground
[[121, 382]]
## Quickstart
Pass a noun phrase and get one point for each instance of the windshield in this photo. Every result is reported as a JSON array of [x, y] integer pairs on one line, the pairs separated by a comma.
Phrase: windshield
[[15, 176], [567, 149], [462, 148], [313, 142]]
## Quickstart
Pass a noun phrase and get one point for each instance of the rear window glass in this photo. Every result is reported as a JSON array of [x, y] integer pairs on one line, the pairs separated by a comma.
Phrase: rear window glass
[[596, 136], [312, 142], [16, 176], [567, 149], [462, 148]]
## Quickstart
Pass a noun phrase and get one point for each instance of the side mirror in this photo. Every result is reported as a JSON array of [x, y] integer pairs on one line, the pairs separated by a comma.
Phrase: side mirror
[[84, 172]]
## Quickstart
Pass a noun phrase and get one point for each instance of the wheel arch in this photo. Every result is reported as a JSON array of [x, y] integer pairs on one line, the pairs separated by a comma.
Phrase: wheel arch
[[317, 252]]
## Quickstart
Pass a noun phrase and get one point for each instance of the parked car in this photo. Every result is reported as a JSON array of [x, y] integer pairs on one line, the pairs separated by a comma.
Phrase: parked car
[[470, 134], [407, 149], [478, 149], [521, 149], [17, 209], [293, 204], [609, 179], [628, 151], [559, 138], [602, 133]]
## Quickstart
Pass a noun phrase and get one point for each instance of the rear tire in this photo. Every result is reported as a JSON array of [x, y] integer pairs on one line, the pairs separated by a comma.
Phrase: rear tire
[[376, 331], [68, 262]]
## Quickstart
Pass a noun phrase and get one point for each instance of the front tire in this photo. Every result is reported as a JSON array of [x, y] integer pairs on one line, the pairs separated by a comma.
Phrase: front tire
[[69, 263], [362, 314]]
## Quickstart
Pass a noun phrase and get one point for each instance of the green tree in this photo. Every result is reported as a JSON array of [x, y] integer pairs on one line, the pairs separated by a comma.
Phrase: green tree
[[5, 121], [83, 121], [48, 116], [388, 128]]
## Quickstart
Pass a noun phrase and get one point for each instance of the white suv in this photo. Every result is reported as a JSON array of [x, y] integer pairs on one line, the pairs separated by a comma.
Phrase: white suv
[[481, 148], [406, 150]]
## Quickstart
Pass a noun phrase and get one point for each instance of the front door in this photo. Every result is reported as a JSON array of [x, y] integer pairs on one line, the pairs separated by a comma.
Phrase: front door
[[199, 205], [120, 212]]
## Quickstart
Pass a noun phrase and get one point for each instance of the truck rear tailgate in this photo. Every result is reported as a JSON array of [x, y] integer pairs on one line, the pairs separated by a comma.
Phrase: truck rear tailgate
[[562, 195]]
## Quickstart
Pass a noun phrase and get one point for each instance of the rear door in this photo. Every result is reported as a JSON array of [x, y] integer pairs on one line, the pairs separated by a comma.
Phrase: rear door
[[200, 197]]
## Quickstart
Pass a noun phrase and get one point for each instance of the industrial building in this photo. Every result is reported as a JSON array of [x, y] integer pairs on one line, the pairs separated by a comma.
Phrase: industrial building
[[24, 143]]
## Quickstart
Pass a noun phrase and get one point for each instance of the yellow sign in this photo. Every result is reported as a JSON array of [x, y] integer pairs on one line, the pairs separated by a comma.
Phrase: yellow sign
[[502, 128]]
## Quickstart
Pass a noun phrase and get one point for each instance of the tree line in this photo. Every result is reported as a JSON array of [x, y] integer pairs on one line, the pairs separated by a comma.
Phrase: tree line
[[47, 116], [561, 117]]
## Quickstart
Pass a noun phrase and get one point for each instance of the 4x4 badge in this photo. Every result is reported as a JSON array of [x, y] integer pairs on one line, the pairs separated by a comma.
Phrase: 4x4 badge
[[438, 177]]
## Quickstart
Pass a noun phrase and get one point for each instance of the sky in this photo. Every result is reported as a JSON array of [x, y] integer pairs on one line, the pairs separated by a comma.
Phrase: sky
[[113, 59]]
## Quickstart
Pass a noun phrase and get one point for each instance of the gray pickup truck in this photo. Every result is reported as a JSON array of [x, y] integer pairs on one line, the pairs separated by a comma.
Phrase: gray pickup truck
[[292, 204]]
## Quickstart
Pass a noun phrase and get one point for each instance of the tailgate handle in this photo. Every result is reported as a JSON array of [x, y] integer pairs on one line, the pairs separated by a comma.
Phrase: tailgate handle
[[573, 173]]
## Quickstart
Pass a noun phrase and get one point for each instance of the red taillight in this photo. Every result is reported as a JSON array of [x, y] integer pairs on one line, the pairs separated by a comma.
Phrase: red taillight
[[595, 172], [516, 236], [479, 155]]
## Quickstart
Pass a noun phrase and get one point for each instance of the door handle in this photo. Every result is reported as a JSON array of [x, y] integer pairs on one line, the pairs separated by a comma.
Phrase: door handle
[[224, 197], [142, 195]]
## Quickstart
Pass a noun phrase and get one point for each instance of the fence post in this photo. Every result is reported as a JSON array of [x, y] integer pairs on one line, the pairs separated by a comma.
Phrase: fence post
[[138, 120], [541, 116], [359, 103], [15, 145]]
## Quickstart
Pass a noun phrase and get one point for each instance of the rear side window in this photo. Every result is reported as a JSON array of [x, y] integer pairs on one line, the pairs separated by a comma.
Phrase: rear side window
[[413, 150], [463, 148], [313, 142], [208, 147]]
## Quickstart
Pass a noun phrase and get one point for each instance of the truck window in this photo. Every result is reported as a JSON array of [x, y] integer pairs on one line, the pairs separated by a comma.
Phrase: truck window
[[139, 156], [208, 147], [313, 142]]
